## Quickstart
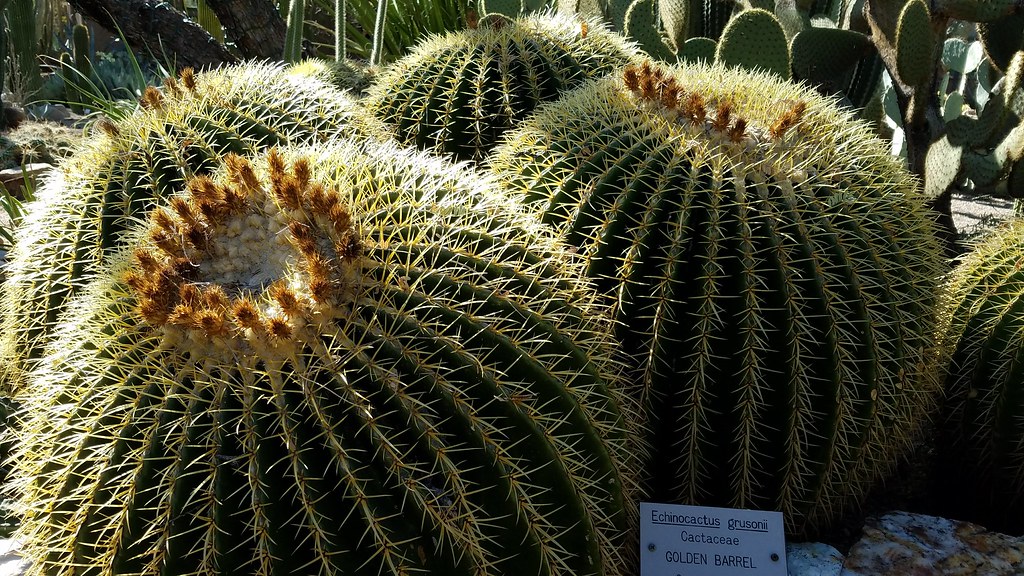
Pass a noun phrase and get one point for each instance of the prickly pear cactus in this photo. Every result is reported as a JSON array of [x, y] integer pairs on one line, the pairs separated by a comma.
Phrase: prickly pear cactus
[[344, 360], [180, 131], [981, 434], [773, 271], [458, 93]]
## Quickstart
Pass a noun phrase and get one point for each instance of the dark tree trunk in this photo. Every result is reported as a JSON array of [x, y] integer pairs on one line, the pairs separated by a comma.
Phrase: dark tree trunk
[[157, 27], [255, 26]]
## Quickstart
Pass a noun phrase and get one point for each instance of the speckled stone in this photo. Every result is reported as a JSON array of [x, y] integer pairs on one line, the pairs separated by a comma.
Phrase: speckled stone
[[904, 544], [10, 563], [813, 559]]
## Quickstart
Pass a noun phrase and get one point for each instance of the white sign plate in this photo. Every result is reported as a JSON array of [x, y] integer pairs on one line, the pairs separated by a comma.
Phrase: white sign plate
[[703, 541]]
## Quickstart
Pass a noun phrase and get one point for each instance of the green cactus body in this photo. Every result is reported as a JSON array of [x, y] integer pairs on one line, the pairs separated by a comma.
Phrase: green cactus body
[[353, 359], [755, 39], [1002, 38], [698, 49], [915, 44], [347, 74], [180, 132], [772, 268], [641, 26], [828, 56], [460, 92], [980, 433]]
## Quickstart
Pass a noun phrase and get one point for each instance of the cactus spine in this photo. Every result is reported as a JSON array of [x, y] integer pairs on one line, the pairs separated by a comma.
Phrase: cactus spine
[[126, 165], [349, 359], [460, 92], [980, 432], [772, 268]]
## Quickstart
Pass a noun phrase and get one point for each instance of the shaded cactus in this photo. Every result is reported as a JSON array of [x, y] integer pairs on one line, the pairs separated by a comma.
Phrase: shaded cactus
[[981, 433], [1002, 39], [458, 93], [915, 44], [349, 359], [773, 271], [181, 131], [829, 58]]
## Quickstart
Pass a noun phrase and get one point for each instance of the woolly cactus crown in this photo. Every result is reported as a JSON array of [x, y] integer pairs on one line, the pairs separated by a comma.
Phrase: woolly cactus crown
[[458, 93], [349, 359], [122, 169], [772, 268]]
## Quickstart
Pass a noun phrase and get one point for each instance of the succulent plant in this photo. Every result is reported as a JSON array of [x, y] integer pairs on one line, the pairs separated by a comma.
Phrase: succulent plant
[[981, 435], [755, 39], [458, 93], [773, 271], [126, 165], [349, 359], [351, 75]]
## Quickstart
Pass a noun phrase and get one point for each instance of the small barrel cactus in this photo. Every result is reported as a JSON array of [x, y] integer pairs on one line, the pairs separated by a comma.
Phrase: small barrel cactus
[[458, 93], [981, 432], [179, 132], [772, 268], [354, 359]]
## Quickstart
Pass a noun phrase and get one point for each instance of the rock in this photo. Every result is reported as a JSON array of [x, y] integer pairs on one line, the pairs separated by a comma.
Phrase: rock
[[813, 559], [13, 179], [975, 215], [13, 115], [901, 543], [57, 113], [11, 564]]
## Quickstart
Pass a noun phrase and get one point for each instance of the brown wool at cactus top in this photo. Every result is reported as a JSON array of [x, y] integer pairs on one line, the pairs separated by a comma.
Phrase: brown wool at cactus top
[[650, 82], [182, 284]]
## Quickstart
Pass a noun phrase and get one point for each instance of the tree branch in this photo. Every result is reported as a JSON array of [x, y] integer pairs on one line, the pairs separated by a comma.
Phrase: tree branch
[[255, 26], [159, 28]]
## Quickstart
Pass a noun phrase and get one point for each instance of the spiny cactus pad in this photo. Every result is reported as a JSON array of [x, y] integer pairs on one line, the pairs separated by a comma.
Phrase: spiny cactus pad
[[458, 93], [754, 39], [181, 131], [773, 270], [981, 433], [347, 360], [915, 43]]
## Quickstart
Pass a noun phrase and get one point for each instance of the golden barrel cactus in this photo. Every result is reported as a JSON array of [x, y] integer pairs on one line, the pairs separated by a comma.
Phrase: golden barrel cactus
[[351, 359]]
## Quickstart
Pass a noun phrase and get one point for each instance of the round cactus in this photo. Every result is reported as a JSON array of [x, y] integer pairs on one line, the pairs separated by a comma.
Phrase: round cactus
[[352, 75], [458, 93], [179, 132], [981, 432], [354, 359], [772, 269]]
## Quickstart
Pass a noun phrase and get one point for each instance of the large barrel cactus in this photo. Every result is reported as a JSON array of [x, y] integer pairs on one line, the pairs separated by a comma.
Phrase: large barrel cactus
[[458, 93], [349, 360], [772, 268], [179, 132], [981, 432]]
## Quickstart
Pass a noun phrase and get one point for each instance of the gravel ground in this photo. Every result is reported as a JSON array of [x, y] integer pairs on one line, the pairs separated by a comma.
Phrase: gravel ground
[[975, 215]]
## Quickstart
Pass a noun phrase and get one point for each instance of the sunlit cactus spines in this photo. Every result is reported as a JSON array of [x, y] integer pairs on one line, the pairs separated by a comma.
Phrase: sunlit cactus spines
[[179, 131], [981, 432], [458, 93], [350, 359], [773, 271]]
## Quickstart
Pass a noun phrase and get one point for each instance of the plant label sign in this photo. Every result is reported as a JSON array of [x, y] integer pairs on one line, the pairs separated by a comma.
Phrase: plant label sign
[[680, 540]]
